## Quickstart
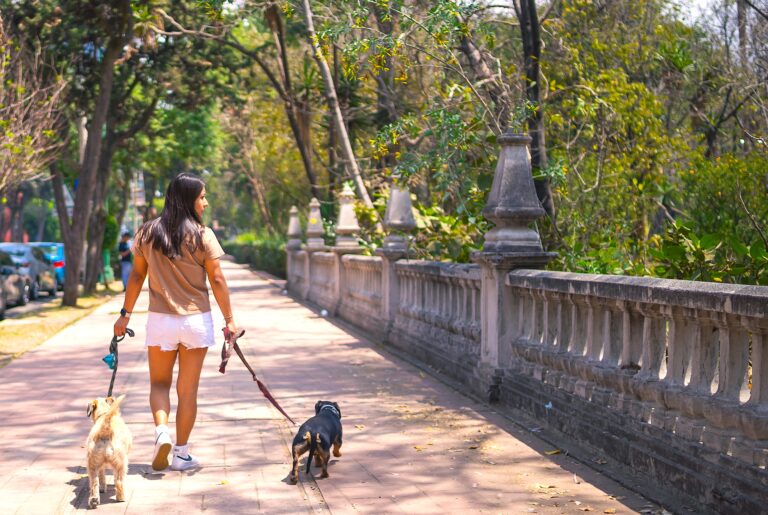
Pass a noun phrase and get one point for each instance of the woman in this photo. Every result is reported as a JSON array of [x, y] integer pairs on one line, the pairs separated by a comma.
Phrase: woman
[[177, 252]]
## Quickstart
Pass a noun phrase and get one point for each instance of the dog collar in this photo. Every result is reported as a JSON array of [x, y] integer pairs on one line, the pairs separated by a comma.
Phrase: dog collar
[[331, 408]]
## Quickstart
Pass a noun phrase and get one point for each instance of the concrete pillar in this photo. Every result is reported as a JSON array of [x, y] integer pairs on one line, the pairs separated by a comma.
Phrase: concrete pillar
[[512, 206], [398, 222], [293, 244], [347, 229], [315, 242], [315, 230], [294, 230]]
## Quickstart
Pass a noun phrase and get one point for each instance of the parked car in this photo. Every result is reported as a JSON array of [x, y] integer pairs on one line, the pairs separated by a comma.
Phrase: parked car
[[55, 253], [14, 287], [32, 262]]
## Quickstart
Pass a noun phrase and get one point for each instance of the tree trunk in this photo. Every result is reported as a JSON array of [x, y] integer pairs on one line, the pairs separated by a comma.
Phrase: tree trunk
[[333, 105], [292, 105], [16, 203], [531, 36], [98, 221], [741, 17], [76, 230]]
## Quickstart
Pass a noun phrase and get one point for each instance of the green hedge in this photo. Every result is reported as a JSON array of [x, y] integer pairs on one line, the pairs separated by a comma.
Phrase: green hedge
[[267, 255]]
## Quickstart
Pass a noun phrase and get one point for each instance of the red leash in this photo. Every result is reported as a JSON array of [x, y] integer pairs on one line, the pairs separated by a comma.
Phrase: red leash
[[230, 342]]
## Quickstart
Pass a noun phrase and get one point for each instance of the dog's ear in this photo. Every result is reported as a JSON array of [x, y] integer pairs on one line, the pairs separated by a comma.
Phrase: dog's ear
[[91, 408], [318, 405], [336, 405]]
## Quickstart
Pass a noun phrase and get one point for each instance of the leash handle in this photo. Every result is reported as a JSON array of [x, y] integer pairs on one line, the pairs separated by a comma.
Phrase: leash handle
[[230, 342], [113, 352]]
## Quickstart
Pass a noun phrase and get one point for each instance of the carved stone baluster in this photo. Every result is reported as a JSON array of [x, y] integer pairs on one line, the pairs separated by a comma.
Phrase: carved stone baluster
[[646, 382], [723, 409], [682, 332], [698, 392], [753, 416]]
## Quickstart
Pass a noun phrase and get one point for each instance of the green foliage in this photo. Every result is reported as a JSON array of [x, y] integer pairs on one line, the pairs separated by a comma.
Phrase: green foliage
[[260, 251], [681, 254], [111, 233], [446, 237]]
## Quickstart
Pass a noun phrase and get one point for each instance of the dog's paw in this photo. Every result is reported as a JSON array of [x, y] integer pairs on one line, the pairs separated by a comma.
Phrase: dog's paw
[[93, 502], [324, 474], [102, 488], [337, 453], [293, 479]]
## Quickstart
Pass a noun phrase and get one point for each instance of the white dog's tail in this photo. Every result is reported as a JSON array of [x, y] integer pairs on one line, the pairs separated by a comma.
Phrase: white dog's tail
[[103, 421]]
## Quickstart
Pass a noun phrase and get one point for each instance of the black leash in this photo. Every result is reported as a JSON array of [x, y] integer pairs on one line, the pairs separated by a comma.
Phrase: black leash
[[230, 344], [111, 358]]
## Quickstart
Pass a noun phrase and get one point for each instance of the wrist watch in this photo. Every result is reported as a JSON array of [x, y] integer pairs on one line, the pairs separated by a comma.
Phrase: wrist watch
[[124, 313]]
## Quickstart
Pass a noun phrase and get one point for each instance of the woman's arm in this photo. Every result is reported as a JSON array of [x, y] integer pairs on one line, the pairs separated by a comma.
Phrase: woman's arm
[[220, 291], [132, 290]]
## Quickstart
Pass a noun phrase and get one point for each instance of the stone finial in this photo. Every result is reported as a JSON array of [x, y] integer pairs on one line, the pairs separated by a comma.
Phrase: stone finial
[[347, 227], [398, 218], [315, 230], [294, 230], [512, 203]]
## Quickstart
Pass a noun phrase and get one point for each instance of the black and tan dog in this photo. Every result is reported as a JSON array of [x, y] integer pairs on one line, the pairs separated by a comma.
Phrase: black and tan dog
[[316, 435]]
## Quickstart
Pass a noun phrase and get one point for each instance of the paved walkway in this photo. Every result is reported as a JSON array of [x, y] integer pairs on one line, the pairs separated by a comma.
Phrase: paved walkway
[[411, 443]]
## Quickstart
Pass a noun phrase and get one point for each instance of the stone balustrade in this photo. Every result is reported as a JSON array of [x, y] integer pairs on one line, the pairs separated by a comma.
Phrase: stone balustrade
[[321, 283], [361, 292], [667, 378], [687, 357]]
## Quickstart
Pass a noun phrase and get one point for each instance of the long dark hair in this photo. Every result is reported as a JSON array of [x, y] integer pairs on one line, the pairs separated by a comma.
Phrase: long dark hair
[[178, 224]]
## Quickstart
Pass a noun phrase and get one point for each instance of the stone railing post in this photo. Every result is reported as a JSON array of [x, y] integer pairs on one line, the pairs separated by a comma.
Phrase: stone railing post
[[293, 245], [512, 206], [315, 242], [398, 222], [347, 229]]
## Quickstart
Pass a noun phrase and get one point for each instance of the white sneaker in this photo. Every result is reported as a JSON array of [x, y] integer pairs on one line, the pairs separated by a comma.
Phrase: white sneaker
[[184, 462], [163, 446]]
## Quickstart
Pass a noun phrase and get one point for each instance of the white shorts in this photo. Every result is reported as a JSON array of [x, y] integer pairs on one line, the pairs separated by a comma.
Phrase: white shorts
[[168, 331]]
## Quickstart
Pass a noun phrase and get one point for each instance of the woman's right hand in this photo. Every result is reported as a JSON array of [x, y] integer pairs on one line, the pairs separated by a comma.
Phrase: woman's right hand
[[121, 325]]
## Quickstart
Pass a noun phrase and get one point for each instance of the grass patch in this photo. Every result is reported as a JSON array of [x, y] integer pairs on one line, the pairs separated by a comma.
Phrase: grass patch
[[18, 335]]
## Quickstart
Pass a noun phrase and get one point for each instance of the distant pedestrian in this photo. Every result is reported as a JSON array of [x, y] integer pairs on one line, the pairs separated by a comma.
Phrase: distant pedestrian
[[177, 252], [126, 261]]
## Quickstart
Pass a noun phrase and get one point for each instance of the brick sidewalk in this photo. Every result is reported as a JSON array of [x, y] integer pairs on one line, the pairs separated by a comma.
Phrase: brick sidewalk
[[411, 443]]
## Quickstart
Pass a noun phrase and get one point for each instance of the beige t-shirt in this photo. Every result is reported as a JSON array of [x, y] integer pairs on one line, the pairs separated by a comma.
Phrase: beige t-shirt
[[178, 286]]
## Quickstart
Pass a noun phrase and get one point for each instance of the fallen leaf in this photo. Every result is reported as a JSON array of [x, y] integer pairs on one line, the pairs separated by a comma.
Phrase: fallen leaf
[[539, 485], [359, 426], [609, 510], [418, 448], [585, 508], [223, 482], [552, 453], [473, 446]]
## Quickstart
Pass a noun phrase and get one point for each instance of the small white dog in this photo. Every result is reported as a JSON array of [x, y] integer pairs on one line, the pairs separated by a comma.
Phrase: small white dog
[[108, 445]]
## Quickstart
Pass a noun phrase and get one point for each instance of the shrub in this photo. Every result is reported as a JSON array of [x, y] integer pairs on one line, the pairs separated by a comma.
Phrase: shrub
[[265, 253]]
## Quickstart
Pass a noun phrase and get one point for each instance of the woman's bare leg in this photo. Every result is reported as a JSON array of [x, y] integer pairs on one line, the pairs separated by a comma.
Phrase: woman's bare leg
[[190, 366], [160, 379]]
